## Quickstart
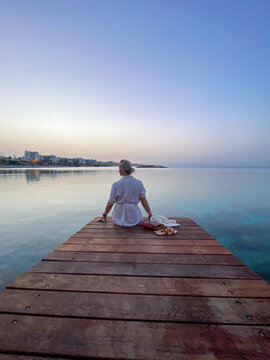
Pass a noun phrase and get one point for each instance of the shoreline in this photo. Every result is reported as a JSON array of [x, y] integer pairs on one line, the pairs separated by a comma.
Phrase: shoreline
[[137, 167], [77, 166], [51, 166]]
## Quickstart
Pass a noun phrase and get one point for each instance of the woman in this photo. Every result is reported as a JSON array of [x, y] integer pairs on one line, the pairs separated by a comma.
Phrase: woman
[[126, 193]]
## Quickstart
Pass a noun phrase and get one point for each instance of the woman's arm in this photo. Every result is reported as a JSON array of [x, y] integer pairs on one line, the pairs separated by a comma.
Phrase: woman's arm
[[146, 206], [106, 212], [110, 203]]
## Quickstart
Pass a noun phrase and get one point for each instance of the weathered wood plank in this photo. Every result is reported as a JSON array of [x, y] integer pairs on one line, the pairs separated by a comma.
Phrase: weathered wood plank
[[128, 339], [137, 307], [145, 249], [28, 357], [133, 269], [144, 258], [208, 356], [141, 241], [110, 225], [143, 285], [179, 220], [123, 233]]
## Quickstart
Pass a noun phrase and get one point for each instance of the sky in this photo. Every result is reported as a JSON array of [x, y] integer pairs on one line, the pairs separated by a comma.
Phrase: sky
[[165, 82]]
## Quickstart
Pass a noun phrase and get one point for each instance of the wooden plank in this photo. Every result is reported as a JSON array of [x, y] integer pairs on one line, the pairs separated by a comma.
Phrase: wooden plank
[[143, 285], [137, 237], [188, 224], [144, 258], [140, 231], [103, 225], [145, 249], [111, 226], [129, 339], [133, 269], [109, 223], [137, 307], [28, 357], [179, 220], [141, 241], [139, 234]]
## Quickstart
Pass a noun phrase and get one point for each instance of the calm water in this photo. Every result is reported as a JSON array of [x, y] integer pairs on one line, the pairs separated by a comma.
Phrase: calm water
[[39, 209]]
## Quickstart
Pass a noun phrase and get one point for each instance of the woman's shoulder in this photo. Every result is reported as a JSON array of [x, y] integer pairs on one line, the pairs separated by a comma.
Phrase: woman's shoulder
[[116, 183], [137, 180]]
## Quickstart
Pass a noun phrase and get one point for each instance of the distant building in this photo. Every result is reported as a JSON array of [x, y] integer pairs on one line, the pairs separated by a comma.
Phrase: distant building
[[31, 155], [80, 161], [92, 162], [49, 158], [36, 157]]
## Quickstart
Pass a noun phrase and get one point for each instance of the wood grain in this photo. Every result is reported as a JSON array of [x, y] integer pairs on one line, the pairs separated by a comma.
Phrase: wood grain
[[145, 249], [129, 339], [144, 258], [133, 269], [141, 241], [143, 285], [137, 307]]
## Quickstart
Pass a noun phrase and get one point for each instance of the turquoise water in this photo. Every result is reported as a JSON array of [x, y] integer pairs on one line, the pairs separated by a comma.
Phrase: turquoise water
[[39, 209]]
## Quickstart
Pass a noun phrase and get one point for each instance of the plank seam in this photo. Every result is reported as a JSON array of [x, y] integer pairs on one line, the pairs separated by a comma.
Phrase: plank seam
[[151, 276], [146, 263], [134, 293], [158, 263], [200, 252], [54, 355], [144, 245], [131, 319]]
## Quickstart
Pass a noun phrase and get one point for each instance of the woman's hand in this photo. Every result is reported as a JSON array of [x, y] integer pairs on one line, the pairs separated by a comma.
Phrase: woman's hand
[[149, 216], [103, 218]]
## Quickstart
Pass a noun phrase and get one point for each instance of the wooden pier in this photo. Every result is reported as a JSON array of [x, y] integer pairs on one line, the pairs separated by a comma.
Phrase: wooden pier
[[111, 292]]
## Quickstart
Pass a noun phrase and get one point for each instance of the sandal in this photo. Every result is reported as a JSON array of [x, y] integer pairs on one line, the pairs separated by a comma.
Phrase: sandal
[[165, 230], [171, 231], [161, 229]]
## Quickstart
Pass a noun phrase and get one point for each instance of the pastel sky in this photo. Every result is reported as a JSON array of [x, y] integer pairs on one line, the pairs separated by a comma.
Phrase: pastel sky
[[183, 81]]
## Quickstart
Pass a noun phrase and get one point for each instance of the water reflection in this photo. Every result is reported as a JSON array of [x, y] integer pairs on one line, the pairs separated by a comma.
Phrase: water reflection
[[41, 208], [32, 175], [36, 174]]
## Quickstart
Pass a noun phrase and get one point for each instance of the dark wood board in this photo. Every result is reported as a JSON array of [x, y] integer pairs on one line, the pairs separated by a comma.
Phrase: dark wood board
[[144, 258], [143, 285], [144, 242], [129, 339], [188, 309], [179, 220], [28, 357], [145, 249], [150, 270], [128, 234]]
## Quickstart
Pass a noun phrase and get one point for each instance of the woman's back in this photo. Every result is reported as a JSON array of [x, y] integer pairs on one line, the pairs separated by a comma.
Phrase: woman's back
[[127, 190]]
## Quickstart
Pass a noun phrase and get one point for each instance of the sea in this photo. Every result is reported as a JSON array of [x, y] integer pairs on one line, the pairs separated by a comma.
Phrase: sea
[[41, 207]]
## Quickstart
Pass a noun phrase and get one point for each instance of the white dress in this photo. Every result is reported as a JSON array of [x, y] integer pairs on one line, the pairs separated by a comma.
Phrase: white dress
[[126, 194]]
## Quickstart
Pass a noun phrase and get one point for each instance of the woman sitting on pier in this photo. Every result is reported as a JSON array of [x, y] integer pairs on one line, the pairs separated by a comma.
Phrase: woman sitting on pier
[[126, 193]]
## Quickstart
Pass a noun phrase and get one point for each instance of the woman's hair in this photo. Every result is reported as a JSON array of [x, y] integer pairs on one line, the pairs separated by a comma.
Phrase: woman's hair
[[126, 165]]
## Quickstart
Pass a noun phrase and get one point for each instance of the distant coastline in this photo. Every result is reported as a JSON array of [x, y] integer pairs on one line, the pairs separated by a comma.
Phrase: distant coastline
[[51, 166], [36, 165], [151, 166], [70, 166]]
